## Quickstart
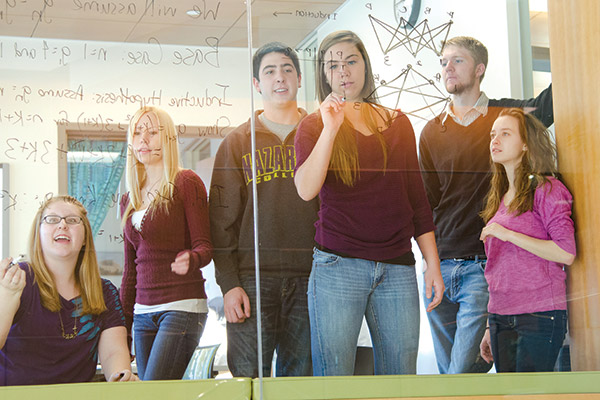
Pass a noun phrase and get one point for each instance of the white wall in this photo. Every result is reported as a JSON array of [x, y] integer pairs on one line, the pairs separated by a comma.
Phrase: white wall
[[222, 78]]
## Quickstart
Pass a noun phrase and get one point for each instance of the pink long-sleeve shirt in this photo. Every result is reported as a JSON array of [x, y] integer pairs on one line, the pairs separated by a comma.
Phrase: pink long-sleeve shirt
[[519, 281]]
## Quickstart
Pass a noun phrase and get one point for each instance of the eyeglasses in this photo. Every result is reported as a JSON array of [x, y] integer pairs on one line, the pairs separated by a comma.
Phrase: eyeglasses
[[55, 219]]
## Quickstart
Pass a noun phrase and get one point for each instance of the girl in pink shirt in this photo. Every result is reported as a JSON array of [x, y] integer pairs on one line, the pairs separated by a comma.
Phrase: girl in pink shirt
[[529, 237]]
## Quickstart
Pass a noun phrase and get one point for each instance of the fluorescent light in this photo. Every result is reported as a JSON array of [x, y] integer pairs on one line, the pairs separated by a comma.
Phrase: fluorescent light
[[538, 5]]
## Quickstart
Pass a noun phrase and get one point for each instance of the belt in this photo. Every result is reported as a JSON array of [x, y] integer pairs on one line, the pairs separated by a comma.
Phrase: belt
[[476, 258]]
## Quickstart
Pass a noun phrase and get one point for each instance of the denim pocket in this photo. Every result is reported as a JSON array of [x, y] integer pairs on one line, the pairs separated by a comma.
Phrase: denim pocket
[[323, 258], [552, 323], [482, 264], [543, 315]]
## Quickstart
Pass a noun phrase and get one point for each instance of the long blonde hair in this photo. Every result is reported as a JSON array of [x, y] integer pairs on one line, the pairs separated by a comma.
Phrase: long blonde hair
[[136, 172], [87, 276], [538, 162], [344, 157]]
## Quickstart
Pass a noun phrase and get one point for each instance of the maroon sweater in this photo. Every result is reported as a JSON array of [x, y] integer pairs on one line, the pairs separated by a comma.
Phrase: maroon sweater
[[147, 275], [376, 218]]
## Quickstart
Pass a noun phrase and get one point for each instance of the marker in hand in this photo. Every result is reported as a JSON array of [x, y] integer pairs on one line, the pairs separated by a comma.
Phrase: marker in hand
[[16, 260]]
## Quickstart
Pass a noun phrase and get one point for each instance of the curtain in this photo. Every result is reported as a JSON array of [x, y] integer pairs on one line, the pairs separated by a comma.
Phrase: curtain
[[95, 171]]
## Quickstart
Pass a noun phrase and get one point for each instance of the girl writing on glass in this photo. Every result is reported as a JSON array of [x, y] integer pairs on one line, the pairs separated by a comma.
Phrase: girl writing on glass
[[360, 158]]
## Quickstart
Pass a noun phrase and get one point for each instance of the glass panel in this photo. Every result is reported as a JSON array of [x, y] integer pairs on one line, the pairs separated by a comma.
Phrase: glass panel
[[87, 65], [79, 66], [404, 42]]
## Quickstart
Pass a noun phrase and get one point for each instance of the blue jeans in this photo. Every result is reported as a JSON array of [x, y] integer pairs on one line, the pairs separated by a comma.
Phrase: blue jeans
[[340, 291], [285, 329], [165, 342], [527, 342], [458, 323]]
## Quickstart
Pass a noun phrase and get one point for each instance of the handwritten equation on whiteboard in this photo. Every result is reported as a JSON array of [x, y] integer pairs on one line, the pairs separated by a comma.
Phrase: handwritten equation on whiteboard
[[152, 53]]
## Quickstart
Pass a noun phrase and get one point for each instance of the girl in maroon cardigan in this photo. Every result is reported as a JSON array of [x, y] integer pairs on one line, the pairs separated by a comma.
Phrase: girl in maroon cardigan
[[167, 241]]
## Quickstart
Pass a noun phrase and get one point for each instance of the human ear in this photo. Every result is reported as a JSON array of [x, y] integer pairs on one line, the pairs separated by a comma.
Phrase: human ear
[[256, 84], [479, 70]]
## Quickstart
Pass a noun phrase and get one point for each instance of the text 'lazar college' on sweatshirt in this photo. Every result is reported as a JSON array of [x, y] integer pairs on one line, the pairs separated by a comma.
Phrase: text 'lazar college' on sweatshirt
[[286, 222]]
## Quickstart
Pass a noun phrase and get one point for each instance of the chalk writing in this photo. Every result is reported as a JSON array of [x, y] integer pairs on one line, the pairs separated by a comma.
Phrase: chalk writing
[[191, 57], [218, 129], [152, 53], [24, 92], [4, 13], [112, 237], [68, 94], [415, 39], [149, 8], [98, 53], [12, 200], [37, 199], [420, 94], [94, 120], [102, 153], [410, 81], [30, 151], [105, 8], [201, 101], [19, 118], [310, 51], [63, 53], [197, 12], [315, 14], [117, 238], [124, 97], [41, 16]]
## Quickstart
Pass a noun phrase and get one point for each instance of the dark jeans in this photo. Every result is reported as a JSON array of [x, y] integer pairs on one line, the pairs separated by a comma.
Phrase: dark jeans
[[285, 328], [527, 342], [165, 342]]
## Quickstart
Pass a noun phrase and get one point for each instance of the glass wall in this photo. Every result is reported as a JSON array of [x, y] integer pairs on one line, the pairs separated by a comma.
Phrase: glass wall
[[74, 72]]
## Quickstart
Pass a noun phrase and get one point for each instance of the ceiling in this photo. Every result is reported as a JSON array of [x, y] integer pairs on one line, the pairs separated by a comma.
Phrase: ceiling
[[184, 22]]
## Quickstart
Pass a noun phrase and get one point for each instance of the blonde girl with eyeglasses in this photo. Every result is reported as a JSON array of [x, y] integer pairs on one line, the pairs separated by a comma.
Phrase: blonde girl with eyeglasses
[[58, 318]]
